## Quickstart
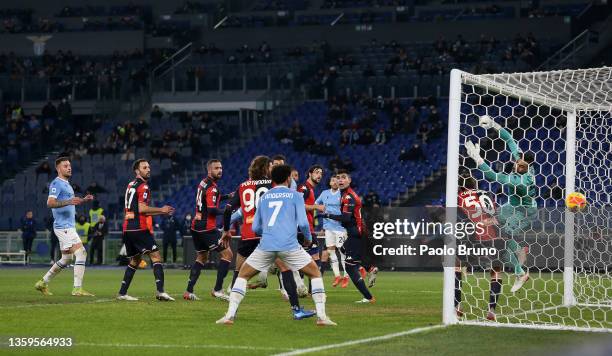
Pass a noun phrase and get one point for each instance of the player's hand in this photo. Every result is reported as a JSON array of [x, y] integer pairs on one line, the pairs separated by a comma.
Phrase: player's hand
[[307, 242], [488, 123], [167, 210], [473, 151], [88, 197], [76, 201], [226, 238], [320, 208]]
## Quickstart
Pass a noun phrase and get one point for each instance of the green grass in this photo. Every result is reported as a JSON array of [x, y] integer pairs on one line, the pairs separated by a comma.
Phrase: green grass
[[102, 325]]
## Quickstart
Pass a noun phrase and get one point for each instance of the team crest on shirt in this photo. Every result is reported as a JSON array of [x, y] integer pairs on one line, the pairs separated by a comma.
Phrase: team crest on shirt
[[146, 186], [53, 190], [214, 190]]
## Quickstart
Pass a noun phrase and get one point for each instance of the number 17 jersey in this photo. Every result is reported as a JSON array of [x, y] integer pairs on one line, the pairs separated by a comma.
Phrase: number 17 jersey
[[246, 199]]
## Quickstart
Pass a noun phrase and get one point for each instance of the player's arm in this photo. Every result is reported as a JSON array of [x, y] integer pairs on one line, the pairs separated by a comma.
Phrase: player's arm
[[302, 220], [257, 225], [310, 207], [54, 203], [236, 216], [346, 213], [488, 123], [227, 196], [234, 203], [143, 208], [211, 204]]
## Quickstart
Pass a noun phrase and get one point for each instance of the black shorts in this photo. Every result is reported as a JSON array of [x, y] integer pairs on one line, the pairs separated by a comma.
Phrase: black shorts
[[139, 242], [246, 247], [312, 249], [352, 250], [204, 241]]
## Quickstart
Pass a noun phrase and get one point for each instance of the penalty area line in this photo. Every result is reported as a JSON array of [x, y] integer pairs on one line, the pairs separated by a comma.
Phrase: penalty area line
[[362, 341]]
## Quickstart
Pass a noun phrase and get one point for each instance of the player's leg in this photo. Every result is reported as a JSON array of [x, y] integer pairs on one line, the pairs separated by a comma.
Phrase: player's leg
[[225, 259], [239, 261], [258, 261], [130, 270], [43, 284], [494, 291], [290, 290], [324, 260], [194, 274], [353, 259], [458, 276], [80, 256], [300, 259], [158, 273]]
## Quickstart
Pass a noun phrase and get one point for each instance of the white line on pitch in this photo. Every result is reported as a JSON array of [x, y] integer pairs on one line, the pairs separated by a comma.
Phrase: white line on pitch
[[170, 346], [362, 341]]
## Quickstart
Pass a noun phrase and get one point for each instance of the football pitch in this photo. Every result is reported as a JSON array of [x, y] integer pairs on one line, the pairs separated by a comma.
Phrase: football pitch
[[405, 320]]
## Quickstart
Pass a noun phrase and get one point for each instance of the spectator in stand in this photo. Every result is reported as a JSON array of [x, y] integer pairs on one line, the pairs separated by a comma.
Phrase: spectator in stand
[[98, 233], [381, 137], [423, 132], [413, 154], [335, 163], [354, 137], [170, 227], [156, 113], [43, 168], [82, 227], [49, 111], [367, 138], [372, 200], [186, 226], [95, 212], [64, 111], [28, 233]]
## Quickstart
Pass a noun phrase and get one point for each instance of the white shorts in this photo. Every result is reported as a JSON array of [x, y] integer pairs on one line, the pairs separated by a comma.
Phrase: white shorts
[[262, 260], [335, 238], [67, 238]]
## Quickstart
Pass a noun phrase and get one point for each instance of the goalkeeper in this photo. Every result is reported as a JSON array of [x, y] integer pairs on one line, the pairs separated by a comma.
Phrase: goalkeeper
[[517, 214]]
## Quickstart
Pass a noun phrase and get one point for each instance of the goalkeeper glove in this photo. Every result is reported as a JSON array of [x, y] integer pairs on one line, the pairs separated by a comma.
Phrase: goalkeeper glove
[[488, 123], [473, 151]]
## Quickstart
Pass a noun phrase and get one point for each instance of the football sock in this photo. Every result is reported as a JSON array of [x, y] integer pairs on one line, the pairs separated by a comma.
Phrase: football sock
[[221, 273], [194, 274], [158, 272], [334, 263], [234, 278], [318, 296], [496, 286], [353, 271], [343, 263], [236, 296], [512, 247], [324, 266], [299, 282], [290, 288], [57, 267], [127, 279], [457, 289], [80, 257]]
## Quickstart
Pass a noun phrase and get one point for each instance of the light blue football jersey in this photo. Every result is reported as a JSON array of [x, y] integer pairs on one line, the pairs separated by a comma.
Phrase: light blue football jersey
[[279, 212], [64, 217]]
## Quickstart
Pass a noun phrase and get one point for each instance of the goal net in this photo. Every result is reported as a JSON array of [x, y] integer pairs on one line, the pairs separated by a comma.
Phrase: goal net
[[525, 141]]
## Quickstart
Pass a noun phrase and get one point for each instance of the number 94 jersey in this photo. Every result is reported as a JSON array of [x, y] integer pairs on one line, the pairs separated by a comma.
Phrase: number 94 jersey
[[137, 192], [247, 199]]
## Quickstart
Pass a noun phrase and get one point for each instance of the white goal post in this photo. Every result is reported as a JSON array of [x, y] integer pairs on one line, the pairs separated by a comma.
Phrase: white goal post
[[564, 120]]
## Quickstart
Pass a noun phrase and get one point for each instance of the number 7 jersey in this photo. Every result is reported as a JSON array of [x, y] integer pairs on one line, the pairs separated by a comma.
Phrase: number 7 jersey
[[246, 198], [137, 192]]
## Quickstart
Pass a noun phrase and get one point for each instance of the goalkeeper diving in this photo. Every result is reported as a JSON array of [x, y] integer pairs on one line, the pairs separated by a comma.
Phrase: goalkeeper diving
[[520, 211]]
